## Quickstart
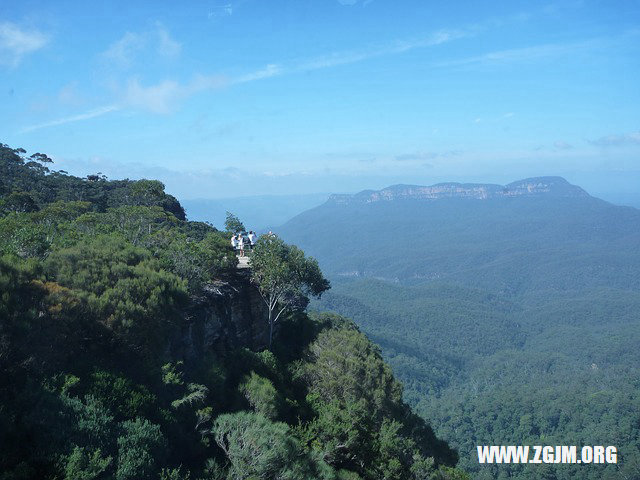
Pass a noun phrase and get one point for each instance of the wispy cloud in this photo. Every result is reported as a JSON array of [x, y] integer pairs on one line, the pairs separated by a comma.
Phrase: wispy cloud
[[521, 54], [17, 42], [400, 46], [158, 98], [167, 46], [164, 97], [336, 59], [270, 70], [97, 112], [632, 138], [218, 11], [125, 51]]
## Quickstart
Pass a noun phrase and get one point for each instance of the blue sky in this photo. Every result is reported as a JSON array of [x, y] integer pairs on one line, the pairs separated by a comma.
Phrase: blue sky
[[233, 98]]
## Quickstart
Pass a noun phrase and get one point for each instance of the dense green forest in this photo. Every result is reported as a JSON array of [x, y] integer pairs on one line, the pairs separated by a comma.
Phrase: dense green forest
[[509, 321], [96, 277], [486, 371]]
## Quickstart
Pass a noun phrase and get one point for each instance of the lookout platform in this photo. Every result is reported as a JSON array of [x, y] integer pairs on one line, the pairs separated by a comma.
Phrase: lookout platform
[[243, 262]]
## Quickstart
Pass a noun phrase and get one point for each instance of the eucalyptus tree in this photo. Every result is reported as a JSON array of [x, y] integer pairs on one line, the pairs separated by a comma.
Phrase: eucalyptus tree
[[285, 277]]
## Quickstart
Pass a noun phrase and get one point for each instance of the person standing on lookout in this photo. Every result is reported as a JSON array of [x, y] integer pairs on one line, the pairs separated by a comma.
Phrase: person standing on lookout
[[234, 243], [253, 238], [241, 244]]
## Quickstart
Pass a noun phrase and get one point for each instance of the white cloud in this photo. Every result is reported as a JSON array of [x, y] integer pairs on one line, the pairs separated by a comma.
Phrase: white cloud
[[125, 50], [348, 57], [221, 11], [522, 54], [270, 70], [167, 46], [164, 97], [97, 112], [344, 58], [15, 43], [128, 49], [158, 98]]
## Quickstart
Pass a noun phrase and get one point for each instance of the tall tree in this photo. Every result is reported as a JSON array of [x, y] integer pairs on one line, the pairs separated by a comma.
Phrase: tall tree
[[285, 277], [233, 224]]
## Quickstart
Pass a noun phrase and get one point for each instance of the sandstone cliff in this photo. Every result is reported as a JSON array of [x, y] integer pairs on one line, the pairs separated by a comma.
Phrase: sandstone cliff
[[229, 314], [552, 186]]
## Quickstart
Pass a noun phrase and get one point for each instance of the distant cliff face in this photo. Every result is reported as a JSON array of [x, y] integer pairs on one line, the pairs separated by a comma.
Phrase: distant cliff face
[[229, 314], [551, 186]]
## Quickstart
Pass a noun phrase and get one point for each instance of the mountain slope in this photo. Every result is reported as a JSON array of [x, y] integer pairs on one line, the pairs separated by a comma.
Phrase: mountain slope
[[477, 241]]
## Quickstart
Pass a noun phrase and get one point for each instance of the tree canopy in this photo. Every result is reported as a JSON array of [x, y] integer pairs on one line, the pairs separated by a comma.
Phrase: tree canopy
[[233, 224], [284, 277]]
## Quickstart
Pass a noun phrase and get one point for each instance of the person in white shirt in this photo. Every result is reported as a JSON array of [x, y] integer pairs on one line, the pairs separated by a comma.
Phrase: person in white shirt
[[234, 242], [241, 245], [253, 238]]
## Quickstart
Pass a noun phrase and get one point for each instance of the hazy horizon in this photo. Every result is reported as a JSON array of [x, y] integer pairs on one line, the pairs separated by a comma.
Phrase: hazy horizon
[[267, 212]]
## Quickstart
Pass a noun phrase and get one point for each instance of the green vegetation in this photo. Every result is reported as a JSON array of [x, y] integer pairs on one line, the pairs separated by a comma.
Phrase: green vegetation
[[509, 321], [285, 277], [97, 279], [498, 372], [233, 224]]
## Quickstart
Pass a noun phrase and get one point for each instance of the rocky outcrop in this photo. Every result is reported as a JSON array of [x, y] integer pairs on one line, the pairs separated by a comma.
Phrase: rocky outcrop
[[230, 313], [553, 186]]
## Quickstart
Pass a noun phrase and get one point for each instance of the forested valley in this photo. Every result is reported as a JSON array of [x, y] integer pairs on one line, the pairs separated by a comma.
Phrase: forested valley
[[510, 320]]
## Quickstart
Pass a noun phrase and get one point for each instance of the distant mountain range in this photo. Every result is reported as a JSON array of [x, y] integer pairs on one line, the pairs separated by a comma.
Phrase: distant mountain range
[[499, 307], [476, 234], [549, 186]]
